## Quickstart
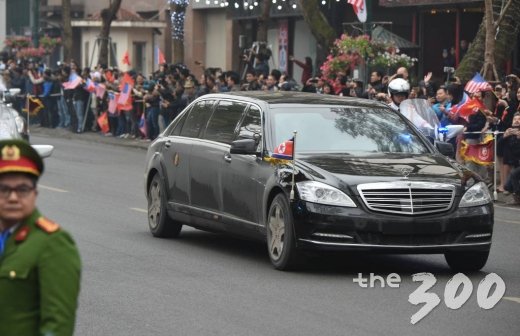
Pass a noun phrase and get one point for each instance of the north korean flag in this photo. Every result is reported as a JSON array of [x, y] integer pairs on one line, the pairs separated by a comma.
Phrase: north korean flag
[[285, 150]]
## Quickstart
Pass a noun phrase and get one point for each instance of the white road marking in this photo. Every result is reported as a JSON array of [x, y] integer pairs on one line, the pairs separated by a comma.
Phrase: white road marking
[[51, 188], [146, 211], [506, 207], [514, 299], [507, 221]]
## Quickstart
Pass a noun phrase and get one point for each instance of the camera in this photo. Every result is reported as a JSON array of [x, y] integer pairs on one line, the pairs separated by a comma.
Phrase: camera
[[449, 69]]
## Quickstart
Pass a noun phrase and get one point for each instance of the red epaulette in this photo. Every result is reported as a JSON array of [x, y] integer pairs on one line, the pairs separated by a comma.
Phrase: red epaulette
[[47, 225]]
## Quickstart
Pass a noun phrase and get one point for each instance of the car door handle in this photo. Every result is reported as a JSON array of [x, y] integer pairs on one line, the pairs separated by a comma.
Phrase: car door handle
[[227, 157], [167, 144]]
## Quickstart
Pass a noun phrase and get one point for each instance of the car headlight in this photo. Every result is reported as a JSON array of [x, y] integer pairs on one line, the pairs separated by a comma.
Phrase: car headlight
[[317, 192], [476, 195]]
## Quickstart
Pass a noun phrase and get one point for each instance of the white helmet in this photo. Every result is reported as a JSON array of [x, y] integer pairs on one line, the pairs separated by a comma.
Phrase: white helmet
[[398, 85]]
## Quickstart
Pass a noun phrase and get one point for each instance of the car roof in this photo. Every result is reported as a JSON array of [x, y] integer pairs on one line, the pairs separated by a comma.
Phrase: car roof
[[294, 97]]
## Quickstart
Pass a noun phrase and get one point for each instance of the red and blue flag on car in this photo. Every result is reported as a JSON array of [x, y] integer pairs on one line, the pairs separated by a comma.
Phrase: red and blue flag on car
[[285, 150]]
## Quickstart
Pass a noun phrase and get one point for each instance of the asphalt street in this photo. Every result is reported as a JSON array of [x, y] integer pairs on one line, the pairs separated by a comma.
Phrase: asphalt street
[[211, 284]]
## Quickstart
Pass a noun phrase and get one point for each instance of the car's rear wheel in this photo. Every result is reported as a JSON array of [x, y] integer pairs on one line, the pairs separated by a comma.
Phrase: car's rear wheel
[[467, 261], [281, 242], [160, 223]]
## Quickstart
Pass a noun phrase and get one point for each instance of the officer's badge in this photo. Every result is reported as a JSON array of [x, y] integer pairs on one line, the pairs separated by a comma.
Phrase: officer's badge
[[11, 153], [47, 225], [22, 234]]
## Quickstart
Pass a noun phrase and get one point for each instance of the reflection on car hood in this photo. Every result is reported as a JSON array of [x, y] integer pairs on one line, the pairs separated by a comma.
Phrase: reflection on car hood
[[423, 167]]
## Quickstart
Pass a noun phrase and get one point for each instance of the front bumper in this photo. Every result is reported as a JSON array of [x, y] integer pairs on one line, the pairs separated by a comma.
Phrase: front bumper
[[324, 227]]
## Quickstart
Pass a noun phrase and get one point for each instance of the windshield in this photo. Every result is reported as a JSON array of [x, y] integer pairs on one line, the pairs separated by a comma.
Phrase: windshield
[[336, 129]]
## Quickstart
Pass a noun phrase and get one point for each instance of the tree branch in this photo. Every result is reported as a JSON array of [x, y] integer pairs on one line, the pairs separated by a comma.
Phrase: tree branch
[[502, 13]]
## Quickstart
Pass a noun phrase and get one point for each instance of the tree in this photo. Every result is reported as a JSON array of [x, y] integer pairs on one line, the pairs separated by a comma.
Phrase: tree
[[107, 16], [67, 30], [494, 41], [318, 23], [263, 21]]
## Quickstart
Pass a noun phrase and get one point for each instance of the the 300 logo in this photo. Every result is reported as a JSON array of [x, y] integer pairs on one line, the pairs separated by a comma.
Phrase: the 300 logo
[[451, 299]]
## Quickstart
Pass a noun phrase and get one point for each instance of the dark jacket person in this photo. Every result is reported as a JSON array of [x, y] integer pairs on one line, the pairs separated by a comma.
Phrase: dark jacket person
[[39, 261]]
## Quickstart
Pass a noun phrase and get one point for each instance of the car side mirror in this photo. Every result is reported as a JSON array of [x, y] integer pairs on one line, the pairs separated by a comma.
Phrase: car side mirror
[[243, 146], [445, 148]]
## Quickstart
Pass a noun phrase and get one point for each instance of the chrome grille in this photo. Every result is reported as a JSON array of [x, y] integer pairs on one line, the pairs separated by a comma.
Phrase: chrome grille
[[407, 197]]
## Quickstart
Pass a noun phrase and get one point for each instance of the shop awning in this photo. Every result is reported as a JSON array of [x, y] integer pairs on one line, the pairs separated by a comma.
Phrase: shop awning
[[384, 35]]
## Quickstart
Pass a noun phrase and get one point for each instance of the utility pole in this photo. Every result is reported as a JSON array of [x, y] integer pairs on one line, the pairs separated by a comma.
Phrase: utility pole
[[35, 14]]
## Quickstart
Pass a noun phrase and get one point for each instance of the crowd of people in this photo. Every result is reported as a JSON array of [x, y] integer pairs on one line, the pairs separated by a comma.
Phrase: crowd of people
[[155, 100]]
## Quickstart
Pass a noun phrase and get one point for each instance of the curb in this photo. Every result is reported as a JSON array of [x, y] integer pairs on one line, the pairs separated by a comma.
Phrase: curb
[[88, 136]]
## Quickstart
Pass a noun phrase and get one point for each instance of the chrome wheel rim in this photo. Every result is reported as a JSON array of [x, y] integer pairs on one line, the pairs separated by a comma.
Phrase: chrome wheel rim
[[276, 227], [154, 205]]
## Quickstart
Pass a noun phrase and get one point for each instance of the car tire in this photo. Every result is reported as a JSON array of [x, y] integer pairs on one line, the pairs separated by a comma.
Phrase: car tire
[[467, 261], [159, 222], [281, 241]]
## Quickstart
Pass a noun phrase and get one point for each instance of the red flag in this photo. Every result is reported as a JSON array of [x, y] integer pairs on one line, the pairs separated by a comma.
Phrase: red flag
[[160, 56], [469, 107], [126, 58], [102, 121], [481, 153], [284, 150]]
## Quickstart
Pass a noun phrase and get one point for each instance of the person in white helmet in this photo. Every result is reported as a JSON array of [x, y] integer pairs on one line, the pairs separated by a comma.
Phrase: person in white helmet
[[398, 90]]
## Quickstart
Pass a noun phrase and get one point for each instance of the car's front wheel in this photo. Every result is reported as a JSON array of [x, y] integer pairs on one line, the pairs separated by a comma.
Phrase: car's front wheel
[[281, 242], [467, 261], [160, 223]]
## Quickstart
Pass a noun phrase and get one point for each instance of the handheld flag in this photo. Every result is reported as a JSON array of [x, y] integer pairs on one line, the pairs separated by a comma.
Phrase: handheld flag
[[126, 58], [112, 103], [90, 86], [125, 87], [102, 121], [468, 107], [100, 90], [73, 82], [160, 56], [481, 153], [360, 8], [284, 150], [142, 124], [476, 84], [125, 94], [109, 76]]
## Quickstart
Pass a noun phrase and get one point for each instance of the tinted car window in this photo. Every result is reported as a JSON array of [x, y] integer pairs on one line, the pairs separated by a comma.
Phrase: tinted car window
[[345, 130], [251, 126], [197, 118], [176, 126], [223, 122]]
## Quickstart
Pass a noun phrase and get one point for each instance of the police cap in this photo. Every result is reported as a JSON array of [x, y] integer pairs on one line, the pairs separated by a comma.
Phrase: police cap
[[17, 156]]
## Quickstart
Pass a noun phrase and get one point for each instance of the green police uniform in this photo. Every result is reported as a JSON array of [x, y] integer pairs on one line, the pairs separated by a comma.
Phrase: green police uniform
[[39, 280], [39, 266]]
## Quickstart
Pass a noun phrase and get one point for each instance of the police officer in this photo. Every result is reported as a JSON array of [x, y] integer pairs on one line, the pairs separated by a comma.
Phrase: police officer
[[39, 261]]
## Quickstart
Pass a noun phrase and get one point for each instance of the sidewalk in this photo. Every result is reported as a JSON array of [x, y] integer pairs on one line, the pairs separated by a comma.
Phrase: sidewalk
[[94, 137]]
